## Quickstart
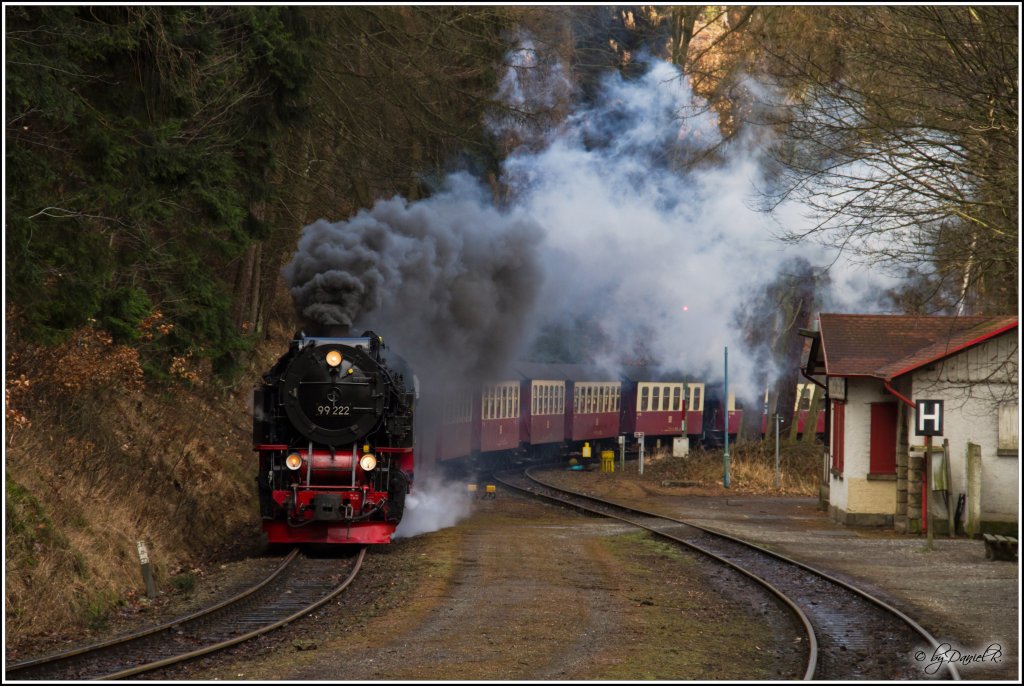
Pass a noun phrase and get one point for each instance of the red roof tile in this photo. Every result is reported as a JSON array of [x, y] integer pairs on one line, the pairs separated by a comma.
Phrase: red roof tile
[[887, 346]]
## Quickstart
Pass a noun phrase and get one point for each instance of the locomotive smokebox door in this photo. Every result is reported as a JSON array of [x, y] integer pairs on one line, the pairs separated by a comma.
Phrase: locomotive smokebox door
[[333, 393], [328, 507]]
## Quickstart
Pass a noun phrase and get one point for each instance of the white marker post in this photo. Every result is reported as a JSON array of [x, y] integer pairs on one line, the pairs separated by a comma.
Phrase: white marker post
[[147, 572], [639, 435]]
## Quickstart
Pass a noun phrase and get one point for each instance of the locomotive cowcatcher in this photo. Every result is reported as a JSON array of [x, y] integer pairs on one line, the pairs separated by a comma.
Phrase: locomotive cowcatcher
[[333, 426]]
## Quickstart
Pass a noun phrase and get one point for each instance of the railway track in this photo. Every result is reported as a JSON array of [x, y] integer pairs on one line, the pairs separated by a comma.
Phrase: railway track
[[849, 634], [298, 586]]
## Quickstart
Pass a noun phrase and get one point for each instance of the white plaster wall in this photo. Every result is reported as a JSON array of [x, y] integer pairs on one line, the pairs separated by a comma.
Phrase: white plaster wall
[[860, 393], [972, 385]]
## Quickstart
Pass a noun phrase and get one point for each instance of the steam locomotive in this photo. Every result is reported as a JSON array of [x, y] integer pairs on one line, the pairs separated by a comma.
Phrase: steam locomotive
[[333, 427]]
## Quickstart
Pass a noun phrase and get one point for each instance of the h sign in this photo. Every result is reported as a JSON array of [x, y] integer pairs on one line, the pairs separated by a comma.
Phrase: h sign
[[928, 414]]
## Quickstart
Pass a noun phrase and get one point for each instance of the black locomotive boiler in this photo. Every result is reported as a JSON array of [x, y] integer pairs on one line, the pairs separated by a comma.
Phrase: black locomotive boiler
[[333, 427]]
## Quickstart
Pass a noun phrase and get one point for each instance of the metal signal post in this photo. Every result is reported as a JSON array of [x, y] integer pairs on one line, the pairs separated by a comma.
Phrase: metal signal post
[[725, 416]]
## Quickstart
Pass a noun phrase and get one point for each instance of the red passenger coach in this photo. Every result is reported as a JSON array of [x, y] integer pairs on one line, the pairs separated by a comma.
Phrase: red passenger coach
[[498, 425], [455, 438], [594, 411], [694, 412], [545, 422], [735, 417], [655, 408]]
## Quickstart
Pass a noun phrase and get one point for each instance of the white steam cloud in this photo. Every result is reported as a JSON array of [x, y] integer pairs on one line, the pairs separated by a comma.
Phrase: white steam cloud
[[607, 222], [644, 249], [433, 505]]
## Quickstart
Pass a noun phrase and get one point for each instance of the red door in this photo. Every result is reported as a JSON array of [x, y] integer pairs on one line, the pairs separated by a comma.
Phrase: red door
[[883, 438]]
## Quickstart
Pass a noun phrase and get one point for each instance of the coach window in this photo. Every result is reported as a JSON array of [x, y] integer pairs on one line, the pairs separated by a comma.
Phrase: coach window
[[697, 401], [547, 399], [515, 402], [656, 399], [644, 396], [677, 396], [591, 399], [560, 409]]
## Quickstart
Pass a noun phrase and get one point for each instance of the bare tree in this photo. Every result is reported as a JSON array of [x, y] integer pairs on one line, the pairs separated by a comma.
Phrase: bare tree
[[898, 126]]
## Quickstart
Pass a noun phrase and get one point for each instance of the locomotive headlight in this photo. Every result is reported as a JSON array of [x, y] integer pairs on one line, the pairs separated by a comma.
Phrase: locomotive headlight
[[333, 358], [293, 461], [368, 462]]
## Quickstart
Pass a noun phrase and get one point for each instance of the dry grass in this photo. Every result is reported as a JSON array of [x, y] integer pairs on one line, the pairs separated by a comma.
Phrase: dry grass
[[91, 469], [751, 467]]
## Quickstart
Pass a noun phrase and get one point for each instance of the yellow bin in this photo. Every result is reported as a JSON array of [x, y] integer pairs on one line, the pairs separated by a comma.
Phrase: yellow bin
[[608, 461]]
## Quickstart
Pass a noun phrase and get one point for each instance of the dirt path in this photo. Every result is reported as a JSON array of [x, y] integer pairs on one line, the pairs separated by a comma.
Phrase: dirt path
[[524, 591]]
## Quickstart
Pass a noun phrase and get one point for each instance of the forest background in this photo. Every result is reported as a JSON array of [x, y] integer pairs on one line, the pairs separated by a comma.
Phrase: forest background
[[161, 162]]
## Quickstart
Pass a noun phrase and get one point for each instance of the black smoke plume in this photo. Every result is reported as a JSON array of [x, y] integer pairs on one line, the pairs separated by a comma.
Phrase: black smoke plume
[[449, 280]]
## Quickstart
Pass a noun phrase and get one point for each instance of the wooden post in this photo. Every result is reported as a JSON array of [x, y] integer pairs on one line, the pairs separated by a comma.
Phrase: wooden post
[[949, 489], [973, 489]]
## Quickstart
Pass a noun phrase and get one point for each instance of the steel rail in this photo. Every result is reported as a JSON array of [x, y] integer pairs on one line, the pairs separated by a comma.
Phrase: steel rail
[[149, 631], [244, 637], [812, 639], [878, 602]]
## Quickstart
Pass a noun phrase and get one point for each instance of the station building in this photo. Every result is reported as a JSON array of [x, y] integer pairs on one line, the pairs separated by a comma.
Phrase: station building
[[873, 368]]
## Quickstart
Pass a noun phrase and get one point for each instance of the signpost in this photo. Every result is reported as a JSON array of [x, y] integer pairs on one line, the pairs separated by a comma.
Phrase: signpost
[[928, 423]]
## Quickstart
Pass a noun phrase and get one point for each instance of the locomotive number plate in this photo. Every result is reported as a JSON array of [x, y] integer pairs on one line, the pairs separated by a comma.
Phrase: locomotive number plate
[[333, 410]]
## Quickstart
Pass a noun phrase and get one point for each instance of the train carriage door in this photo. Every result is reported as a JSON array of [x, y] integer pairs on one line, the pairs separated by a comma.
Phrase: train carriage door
[[697, 397]]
